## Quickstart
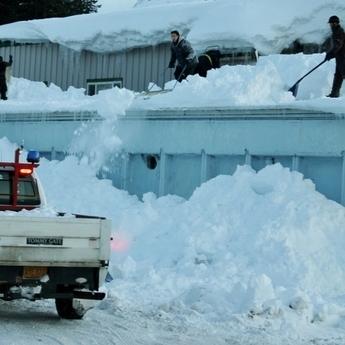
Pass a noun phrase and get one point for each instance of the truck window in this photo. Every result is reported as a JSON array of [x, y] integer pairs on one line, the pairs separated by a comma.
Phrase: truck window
[[27, 190], [5, 188]]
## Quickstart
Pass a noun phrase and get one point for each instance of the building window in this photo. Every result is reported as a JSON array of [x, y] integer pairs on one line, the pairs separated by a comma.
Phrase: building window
[[94, 86], [238, 56], [307, 48]]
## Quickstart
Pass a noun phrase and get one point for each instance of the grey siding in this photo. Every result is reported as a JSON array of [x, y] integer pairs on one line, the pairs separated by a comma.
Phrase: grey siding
[[64, 67]]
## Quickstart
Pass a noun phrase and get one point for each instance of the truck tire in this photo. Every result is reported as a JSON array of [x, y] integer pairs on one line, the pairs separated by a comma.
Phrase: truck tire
[[69, 309]]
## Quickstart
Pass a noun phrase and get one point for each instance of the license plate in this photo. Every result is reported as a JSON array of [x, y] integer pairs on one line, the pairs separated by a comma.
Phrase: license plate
[[47, 241], [34, 272]]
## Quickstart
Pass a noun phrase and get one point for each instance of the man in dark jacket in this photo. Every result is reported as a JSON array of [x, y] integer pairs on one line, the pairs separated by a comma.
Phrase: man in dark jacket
[[183, 53], [3, 84], [338, 52]]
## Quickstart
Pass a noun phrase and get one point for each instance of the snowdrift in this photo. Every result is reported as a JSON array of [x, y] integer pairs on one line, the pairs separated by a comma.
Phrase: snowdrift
[[250, 244], [264, 84], [229, 24]]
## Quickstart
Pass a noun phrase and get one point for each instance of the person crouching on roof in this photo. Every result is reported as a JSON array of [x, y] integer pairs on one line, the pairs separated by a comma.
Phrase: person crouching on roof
[[183, 53]]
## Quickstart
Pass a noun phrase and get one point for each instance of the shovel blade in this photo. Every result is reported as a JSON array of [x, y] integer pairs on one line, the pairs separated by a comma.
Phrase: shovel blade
[[294, 89]]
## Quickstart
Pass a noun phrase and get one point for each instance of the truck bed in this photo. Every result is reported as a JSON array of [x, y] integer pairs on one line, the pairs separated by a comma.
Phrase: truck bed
[[54, 241]]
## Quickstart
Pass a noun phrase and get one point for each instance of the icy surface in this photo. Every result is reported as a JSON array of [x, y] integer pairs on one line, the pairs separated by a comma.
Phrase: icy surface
[[267, 25]]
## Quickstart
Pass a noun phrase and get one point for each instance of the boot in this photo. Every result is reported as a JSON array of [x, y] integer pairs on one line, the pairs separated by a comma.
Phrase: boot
[[337, 82]]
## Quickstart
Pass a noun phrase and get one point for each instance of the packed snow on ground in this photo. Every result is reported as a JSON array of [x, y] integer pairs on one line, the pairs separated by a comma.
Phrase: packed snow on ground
[[265, 84], [256, 255], [267, 25]]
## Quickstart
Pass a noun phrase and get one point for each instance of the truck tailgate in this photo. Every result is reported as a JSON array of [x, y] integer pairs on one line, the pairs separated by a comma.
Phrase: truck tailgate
[[54, 241]]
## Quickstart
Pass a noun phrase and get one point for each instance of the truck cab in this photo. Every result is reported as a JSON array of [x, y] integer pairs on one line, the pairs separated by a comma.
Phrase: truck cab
[[48, 257], [19, 186]]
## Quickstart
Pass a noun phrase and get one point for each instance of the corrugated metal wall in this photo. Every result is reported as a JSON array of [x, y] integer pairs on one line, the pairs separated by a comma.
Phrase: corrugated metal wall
[[51, 62]]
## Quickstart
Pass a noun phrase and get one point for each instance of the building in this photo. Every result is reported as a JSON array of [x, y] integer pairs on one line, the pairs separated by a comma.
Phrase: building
[[133, 69], [126, 50]]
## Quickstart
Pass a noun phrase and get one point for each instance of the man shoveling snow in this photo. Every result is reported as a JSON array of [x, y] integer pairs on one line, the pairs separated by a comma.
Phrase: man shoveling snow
[[337, 52]]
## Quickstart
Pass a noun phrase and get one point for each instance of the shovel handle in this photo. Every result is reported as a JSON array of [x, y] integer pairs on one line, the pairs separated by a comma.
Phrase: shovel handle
[[312, 70]]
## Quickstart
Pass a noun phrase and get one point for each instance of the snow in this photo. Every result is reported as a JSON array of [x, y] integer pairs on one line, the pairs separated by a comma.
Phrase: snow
[[252, 258], [114, 5], [265, 84], [220, 22], [205, 264], [27, 96]]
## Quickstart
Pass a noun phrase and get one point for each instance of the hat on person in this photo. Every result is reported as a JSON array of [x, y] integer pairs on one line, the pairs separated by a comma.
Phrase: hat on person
[[334, 19]]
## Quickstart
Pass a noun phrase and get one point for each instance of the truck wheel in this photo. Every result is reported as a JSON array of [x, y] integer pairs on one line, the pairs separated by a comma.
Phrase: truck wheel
[[69, 309]]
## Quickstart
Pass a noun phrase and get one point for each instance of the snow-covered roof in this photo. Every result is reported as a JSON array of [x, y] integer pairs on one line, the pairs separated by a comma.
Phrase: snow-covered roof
[[265, 84], [267, 25]]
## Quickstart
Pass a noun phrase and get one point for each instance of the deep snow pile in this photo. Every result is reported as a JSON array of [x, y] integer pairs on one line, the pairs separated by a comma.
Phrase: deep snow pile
[[27, 96], [225, 23], [264, 84], [261, 243], [260, 85], [252, 244]]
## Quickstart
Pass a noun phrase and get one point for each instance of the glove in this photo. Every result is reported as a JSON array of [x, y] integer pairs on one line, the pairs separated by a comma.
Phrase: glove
[[171, 65], [328, 56]]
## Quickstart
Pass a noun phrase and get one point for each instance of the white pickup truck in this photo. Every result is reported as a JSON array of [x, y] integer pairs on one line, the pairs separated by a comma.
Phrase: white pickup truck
[[62, 257]]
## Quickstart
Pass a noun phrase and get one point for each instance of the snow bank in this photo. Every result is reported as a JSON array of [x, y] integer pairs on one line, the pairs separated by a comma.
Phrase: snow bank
[[264, 84], [262, 246], [221, 22], [259, 243], [27, 96]]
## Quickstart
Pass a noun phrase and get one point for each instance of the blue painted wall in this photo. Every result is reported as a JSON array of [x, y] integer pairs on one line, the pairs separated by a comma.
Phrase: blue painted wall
[[174, 151]]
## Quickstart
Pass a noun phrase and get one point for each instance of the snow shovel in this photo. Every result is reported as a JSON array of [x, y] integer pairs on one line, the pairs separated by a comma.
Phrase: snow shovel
[[177, 80], [294, 88], [160, 75], [151, 93]]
